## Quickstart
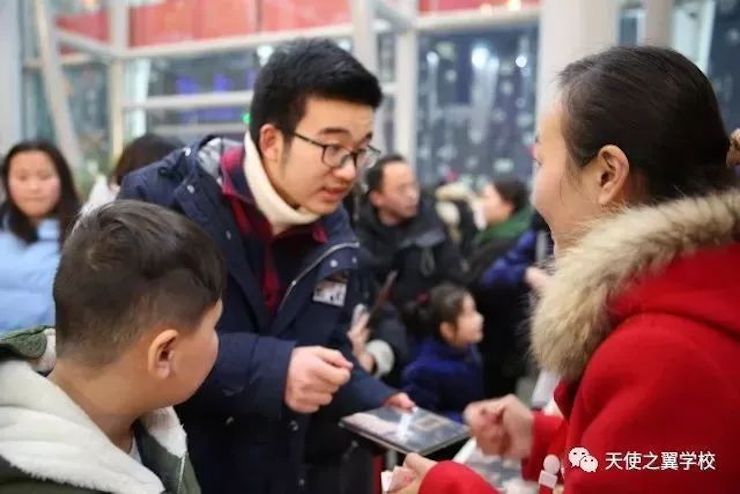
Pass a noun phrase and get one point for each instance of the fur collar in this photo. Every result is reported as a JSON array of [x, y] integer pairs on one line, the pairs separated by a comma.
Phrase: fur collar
[[571, 320], [46, 435]]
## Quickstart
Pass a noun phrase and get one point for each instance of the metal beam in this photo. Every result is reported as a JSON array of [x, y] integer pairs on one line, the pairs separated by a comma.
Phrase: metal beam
[[67, 60], [234, 43], [365, 40], [570, 30], [176, 130], [85, 44], [206, 100], [407, 75], [119, 24], [11, 124], [465, 20], [658, 22], [397, 17], [54, 84], [365, 48], [190, 101]]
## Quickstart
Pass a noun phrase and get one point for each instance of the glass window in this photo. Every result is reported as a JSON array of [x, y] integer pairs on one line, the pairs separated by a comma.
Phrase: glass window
[[708, 33], [724, 69], [631, 26], [86, 86], [476, 104]]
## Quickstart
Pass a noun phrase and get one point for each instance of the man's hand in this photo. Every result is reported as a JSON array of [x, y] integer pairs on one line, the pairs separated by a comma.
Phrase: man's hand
[[314, 375], [400, 400]]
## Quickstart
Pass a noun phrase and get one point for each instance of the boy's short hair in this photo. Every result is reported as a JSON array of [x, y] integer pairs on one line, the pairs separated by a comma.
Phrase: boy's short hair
[[126, 268]]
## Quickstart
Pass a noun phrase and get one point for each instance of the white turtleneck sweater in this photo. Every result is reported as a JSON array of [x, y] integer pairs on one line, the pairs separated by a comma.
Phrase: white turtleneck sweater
[[281, 217], [279, 213]]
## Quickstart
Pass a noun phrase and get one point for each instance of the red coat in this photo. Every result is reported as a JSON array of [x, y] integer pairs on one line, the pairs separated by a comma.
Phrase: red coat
[[651, 357]]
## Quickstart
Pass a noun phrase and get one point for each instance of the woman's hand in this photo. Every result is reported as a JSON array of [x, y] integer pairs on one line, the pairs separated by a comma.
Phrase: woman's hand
[[420, 466], [502, 427], [536, 278]]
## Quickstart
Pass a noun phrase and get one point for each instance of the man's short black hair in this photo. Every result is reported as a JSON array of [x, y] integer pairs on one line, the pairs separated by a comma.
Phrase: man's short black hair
[[302, 69], [129, 267], [374, 176]]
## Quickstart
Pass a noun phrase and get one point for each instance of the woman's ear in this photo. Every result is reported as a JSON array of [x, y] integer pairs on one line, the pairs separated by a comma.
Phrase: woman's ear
[[613, 171]]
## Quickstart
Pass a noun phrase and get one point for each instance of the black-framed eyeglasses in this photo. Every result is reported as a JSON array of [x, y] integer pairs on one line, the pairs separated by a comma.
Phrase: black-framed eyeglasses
[[335, 156]]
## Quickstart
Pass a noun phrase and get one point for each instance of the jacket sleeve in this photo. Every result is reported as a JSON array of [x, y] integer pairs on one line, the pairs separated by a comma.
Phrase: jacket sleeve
[[545, 429], [509, 270], [419, 384], [452, 478], [249, 376]]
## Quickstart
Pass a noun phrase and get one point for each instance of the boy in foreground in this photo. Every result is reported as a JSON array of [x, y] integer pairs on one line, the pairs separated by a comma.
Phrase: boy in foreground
[[138, 295]]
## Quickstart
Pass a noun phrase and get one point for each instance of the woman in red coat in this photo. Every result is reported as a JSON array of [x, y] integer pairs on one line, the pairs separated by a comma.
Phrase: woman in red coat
[[642, 316]]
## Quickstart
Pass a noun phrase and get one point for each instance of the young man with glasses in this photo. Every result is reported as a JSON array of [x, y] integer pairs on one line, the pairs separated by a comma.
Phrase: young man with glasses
[[273, 205]]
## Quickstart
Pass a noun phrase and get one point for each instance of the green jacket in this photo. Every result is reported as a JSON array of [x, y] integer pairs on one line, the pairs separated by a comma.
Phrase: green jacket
[[48, 445]]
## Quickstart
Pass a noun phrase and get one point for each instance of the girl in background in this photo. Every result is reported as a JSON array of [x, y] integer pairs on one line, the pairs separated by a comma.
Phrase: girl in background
[[41, 205], [447, 374]]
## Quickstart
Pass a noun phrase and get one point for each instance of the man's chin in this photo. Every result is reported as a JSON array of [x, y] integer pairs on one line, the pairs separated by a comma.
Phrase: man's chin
[[322, 208], [410, 214]]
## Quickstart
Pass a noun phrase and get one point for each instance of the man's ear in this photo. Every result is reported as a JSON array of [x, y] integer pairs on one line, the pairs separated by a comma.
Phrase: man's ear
[[161, 354], [271, 143], [376, 198], [613, 173]]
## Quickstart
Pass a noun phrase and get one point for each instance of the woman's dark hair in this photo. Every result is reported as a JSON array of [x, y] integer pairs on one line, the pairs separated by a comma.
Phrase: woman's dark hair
[[445, 303], [513, 191], [658, 108], [66, 209], [143, 151]]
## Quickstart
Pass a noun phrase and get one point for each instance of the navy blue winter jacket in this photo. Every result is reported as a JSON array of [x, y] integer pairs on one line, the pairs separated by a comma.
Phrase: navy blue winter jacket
[[242, 437]]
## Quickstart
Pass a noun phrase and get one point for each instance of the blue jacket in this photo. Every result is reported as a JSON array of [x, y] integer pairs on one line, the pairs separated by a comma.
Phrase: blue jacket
[[242, 437], [444, 379], [27, 276]]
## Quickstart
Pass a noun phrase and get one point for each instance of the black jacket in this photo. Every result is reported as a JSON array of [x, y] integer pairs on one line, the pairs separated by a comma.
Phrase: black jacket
[[420, 250]]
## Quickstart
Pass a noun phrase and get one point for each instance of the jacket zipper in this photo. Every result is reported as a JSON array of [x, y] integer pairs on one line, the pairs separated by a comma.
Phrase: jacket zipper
[[181, 473], [313, 265]]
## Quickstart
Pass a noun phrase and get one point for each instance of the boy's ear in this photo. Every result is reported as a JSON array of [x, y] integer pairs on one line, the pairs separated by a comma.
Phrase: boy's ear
[[161, 353]]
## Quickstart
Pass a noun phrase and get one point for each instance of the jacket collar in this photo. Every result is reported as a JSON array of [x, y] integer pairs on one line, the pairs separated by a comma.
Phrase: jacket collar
[[573, 316], [44, 434], [205, 155], [444, 351]]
